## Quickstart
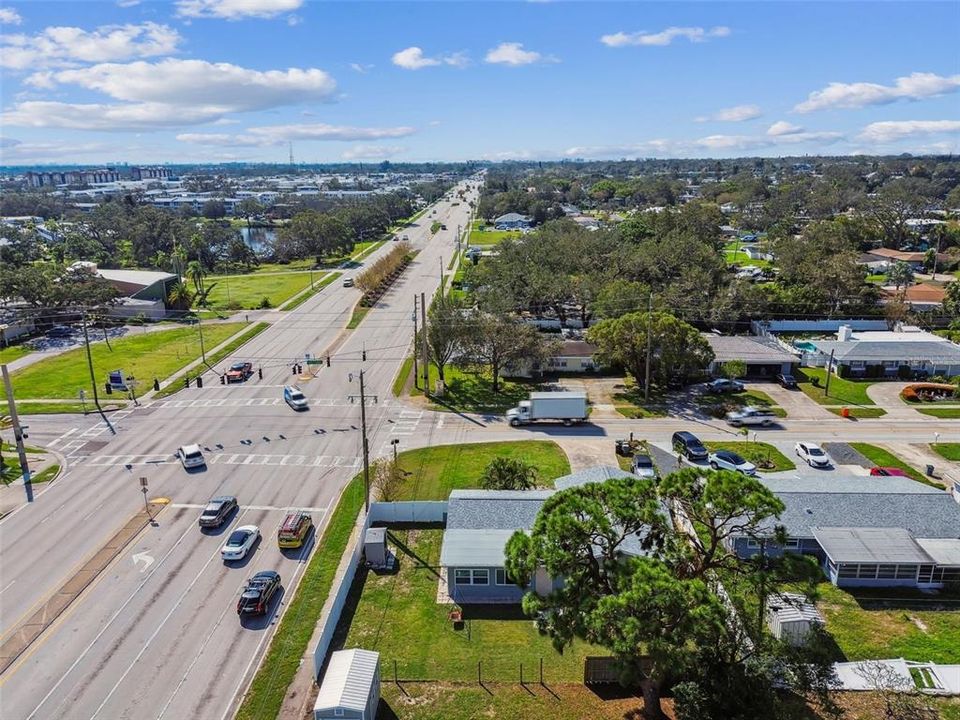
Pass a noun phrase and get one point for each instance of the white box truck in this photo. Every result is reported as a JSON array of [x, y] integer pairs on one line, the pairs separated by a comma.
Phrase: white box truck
[[568, 407]]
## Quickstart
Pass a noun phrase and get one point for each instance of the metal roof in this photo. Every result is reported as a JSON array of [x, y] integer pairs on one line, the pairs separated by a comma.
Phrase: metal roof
[[878, 350], [134, 277], [870, 545], [790, 607], [474, 548], [943, 551], [347, 682]]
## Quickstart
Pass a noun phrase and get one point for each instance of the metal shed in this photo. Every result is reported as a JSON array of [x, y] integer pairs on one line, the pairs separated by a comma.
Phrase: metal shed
[[375, 546], [351, 686], [790, 617]]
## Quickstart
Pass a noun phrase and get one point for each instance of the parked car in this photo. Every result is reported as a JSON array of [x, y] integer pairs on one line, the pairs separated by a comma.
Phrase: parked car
[[443, 227], [888, 471], [60, 331], [239, 372], [191, 456], [787, 381], [406, 237], [294, 529], [642, 466], [294, 397], [724, 385], [729, 460], [240, 542], [217, 510], [256, 596], [812, 454], [689, 445], [348, 282], [751, 416]]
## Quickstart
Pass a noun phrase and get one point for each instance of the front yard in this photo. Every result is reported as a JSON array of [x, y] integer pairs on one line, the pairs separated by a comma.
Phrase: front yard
[[884, 458], [472, 392], [764, 455], [722, 404], [842, 390], [948, 451]]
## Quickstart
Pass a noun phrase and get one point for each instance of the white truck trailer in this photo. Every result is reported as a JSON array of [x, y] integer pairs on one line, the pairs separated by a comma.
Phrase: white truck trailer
[[566, 407]]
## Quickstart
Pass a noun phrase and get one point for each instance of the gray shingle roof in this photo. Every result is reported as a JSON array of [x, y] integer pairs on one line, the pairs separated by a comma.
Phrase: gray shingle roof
[[917, 350], [494, 509], [598, 473], [869, 545], [747, 348], [828, 483]]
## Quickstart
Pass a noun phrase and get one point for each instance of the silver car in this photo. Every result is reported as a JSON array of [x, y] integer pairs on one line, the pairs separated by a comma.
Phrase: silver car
[[191, 456]]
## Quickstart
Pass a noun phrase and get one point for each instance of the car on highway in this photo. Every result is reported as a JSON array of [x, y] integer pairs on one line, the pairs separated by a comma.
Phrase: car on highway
[[689, 445], [348, 282], [812, 454], [642, 466], [788, 381], [60, 331], [217, 510], [191, 456], [729, 460], [294, 529], [888, 472], [406, 237], [256, 595], [294, 397], [240, 542], [239, 372], [724, 385], [751, 416]]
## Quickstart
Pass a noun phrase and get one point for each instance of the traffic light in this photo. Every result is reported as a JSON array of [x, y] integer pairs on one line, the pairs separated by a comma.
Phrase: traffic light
[[328, 361], [364, 356], [223, 379], [199, 381]]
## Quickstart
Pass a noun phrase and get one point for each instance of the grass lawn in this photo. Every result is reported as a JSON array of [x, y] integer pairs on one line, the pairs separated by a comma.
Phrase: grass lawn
[[147, 356], [435, 471], [751, 397], [107, 402], [318, 285], [629, 402], [292, 266], [842, 391], [400, 381], [861, 413], [45, 475], [885, 458], [471, 392], [245, 292], [889, 632], [948, 451], [757, 453], [359, 313], [945, 413], [13, 352]]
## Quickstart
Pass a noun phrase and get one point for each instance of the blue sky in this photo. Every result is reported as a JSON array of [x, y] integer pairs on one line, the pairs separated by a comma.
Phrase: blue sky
[[190, 80]]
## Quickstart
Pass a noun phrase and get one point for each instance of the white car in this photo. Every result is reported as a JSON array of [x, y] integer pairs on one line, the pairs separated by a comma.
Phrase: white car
[[751, 416], [240, 542], [642, 466], [812, 454], [728, 460], [348, 282], [294, 397], [191, 456]]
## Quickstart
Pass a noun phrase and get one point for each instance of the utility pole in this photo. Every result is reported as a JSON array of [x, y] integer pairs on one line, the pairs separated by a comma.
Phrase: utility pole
[[826, 389], [203, 353], [646, 365], [17, 430], [423, 344], [366, 445], [93, 377], [416, 368]]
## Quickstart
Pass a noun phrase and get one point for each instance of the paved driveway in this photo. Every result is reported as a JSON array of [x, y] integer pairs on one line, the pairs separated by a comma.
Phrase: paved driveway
[[795, 402], [887, 396]]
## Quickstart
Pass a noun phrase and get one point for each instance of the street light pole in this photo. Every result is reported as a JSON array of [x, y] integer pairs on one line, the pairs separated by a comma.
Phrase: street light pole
[[17, 430], [93, 377]]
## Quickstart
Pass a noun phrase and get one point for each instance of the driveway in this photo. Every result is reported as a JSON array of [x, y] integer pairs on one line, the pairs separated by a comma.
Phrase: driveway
[[887, 396], [796, 403]]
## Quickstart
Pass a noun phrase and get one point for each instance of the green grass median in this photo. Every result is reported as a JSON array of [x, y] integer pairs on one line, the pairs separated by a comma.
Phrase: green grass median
[[317, 287]]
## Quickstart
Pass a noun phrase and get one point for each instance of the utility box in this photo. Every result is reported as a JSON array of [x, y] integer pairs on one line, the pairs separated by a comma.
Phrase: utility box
[[375, 547], [350, 687], [790, 617]]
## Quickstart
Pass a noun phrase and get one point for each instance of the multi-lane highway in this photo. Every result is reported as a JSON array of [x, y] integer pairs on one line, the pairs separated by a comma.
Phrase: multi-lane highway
[[156, 635]]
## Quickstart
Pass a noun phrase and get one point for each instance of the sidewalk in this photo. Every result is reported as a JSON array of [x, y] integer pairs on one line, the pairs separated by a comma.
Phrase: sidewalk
[[795, 402]]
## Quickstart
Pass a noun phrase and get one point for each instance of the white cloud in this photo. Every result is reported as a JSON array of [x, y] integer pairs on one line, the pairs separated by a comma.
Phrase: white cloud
[[235, 9], [894, 130], [362, 68], [782, 127], [650, 148], [412, 58], [278, 134], [738, 113], [856, 95], [372, 152], [512, 53], [9, 16], [65, 46], [99, 116], [17, 151], [664, 37], [128, 3], [753, 142]]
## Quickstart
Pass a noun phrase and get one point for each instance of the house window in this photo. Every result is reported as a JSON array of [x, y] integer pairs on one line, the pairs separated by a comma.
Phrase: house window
[[481, 577], [461, 577], [906, 572], [753, 543], [338, 712], [847, 570], [792, 544], [886, 572], [470, 576], [501, 577], [868, 571]]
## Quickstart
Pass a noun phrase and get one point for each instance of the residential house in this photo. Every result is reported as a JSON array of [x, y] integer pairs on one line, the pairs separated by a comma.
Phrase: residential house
[[922, 296], [884, 257], [512, 221], [883, 353], [574, 356], [765, 357]]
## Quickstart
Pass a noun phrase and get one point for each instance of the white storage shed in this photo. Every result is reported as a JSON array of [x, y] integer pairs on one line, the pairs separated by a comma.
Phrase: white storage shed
[[791, 616], [375, 547], [350, 687]]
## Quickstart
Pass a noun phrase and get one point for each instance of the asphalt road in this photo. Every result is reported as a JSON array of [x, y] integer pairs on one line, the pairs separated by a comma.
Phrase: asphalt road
[[157, 635]]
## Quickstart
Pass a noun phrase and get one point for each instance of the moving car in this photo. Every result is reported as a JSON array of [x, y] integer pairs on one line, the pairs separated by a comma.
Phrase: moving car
[[812, 454], [294, 529], [240, 542], [787, 381], [239, 372], [256, 596], [294, 397], [642, 466], [888, 471], [750, 416], [728, 460], [217, 510], [191, 456], [723, 385], [689, 445], [60, 331], [348, 282]]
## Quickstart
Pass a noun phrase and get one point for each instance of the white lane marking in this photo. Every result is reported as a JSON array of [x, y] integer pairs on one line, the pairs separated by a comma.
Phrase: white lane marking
[[63, 437], [5, 587], [200, 506], [143, 557]]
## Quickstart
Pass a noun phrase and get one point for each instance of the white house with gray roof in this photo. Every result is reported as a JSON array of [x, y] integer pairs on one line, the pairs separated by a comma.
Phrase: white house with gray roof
[[882, 353]]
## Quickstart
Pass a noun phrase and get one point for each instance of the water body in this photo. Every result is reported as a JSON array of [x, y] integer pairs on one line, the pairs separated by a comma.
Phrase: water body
[[259, 239]]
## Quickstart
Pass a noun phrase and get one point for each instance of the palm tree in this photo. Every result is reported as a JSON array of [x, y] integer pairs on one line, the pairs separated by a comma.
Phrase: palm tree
[[196, 273], [504, 473], [180, 297], [5, 424], [901, 276]]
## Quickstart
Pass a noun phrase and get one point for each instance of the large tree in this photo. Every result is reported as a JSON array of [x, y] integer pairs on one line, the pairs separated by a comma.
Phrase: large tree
[[494, 341], [446, 332], [313, 233]]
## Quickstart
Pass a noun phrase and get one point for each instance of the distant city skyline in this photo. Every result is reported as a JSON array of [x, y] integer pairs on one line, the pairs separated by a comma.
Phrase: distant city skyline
[[189, 81]]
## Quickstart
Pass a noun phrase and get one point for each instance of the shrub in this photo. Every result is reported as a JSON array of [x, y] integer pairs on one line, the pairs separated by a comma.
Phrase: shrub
[[265, 303]]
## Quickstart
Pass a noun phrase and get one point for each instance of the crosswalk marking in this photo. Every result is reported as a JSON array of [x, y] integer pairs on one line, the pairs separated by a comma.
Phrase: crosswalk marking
[[258, 402], [257, 459]]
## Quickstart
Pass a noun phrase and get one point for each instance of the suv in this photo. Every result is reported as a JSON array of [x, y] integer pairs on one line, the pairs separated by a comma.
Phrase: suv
[[294, 397], [689, 445], [294, 529], [191, 456], [257, 594], [750, 416], [239, 372], [217, 511]]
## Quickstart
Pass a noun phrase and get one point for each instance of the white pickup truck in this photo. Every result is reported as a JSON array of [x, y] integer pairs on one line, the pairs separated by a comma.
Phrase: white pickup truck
[[751, 416]]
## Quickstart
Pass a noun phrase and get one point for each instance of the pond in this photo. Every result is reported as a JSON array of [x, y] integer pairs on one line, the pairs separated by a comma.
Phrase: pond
[[259, 239]]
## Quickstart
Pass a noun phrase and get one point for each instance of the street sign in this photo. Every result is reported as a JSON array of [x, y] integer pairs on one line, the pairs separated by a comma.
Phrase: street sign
[[143, 482], [314, 361]]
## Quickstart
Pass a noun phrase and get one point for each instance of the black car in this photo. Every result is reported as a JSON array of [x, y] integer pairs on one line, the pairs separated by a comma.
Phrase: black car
[[256, 596], [60, 331], [788, 381], [217, 510], [689, 445]]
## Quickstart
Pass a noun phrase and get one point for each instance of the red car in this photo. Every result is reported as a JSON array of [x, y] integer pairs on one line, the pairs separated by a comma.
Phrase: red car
[[887, 471], [239, 372]]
